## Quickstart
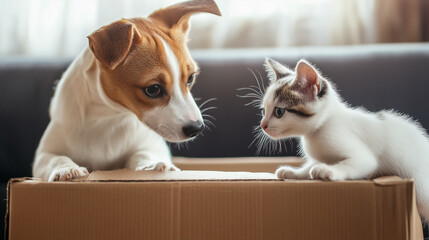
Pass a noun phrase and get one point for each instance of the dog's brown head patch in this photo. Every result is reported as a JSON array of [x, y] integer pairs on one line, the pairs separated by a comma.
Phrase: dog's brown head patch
[[131, 54]]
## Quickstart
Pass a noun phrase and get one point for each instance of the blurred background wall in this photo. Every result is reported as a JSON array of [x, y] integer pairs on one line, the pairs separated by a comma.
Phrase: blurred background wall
[[59, 28]]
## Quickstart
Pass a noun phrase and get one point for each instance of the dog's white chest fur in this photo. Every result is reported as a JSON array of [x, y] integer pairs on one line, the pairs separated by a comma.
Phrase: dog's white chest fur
[[123, 95], [89, 128], [106, 142]]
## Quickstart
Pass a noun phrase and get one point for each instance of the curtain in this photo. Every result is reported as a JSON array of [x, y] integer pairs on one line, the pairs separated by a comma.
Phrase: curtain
[[59, 28], [402, 20]]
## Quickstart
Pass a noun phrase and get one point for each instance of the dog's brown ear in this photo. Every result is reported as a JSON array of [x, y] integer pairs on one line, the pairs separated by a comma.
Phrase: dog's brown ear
[[112, 43], [177, 16]]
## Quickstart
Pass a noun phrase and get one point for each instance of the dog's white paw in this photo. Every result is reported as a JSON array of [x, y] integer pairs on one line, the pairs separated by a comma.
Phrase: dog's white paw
[[158, 166], [287, 173], [67, 173], [325, 172]]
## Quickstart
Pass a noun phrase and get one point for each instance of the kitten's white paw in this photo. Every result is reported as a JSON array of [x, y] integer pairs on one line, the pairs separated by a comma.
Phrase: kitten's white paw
[[325, 172], [287, 173], [67, 173], [158, 166]]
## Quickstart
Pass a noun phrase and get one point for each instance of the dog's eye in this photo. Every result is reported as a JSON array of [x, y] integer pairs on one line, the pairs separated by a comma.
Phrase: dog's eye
[[279, 112], [153, 91], [191, 79]]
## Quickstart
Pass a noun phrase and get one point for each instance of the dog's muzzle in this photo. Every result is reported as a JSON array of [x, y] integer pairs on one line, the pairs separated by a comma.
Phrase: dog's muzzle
[[193, 129]]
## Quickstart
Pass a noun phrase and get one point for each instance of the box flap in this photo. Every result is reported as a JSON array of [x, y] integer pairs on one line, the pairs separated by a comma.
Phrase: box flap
[[247, 164], [388, 180], [131, 175]]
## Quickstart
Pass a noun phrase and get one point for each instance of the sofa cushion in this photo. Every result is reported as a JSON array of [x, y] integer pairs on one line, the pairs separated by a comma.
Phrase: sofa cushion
[[375, 76]]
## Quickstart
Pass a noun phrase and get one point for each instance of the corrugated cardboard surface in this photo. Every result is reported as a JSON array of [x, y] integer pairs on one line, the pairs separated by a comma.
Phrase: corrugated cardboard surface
[[160, 207], [130, 175], [249, 164]]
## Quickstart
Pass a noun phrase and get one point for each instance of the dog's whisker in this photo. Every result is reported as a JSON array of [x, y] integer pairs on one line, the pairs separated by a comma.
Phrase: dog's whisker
[[291, 142], [207, 101], [208, 109], [176, 145], [208, 129], [209, 126], [208, 122], [209, 116], [182, 145]]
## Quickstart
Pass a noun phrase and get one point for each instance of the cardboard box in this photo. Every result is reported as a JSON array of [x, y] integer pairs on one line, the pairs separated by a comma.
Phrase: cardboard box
[[208, 205], [249, 164]]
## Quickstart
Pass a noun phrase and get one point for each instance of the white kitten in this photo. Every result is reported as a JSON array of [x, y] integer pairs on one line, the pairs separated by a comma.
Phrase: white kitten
[[340, 142]]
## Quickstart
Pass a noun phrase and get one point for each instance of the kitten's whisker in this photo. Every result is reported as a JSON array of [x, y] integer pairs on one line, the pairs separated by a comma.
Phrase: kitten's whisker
[[257, 90], [257, 133], [253, 103], [257, 80], [254, 88], [261, 79], [265, 143], [249, 95], [262, 143], [253, 91]]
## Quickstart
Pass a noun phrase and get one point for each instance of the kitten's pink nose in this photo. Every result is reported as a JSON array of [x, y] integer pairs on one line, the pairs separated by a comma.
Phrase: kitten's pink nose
[[264, 126]]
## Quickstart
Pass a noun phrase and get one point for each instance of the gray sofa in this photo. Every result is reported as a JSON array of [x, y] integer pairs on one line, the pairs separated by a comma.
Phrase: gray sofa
[[375, 76]]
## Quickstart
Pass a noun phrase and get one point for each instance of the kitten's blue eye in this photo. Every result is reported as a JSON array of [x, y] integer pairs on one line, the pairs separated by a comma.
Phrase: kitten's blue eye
[[279, 112]]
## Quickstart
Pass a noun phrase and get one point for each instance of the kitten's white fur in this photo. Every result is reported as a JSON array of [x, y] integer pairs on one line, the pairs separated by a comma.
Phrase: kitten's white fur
[[340, 142]]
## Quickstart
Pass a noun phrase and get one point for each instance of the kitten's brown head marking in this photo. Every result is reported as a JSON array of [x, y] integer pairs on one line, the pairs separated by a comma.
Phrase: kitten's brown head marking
[[293, 99]]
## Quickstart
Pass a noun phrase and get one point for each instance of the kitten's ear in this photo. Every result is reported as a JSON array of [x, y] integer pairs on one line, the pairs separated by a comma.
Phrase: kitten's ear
[[276, 70], [308, 79]]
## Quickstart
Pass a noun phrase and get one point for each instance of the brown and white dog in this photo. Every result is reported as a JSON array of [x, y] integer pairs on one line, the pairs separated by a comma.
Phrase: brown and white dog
[[123, 96]]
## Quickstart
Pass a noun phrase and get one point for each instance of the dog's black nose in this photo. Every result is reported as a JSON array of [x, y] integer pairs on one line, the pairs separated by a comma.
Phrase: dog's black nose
[[193, 129]]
